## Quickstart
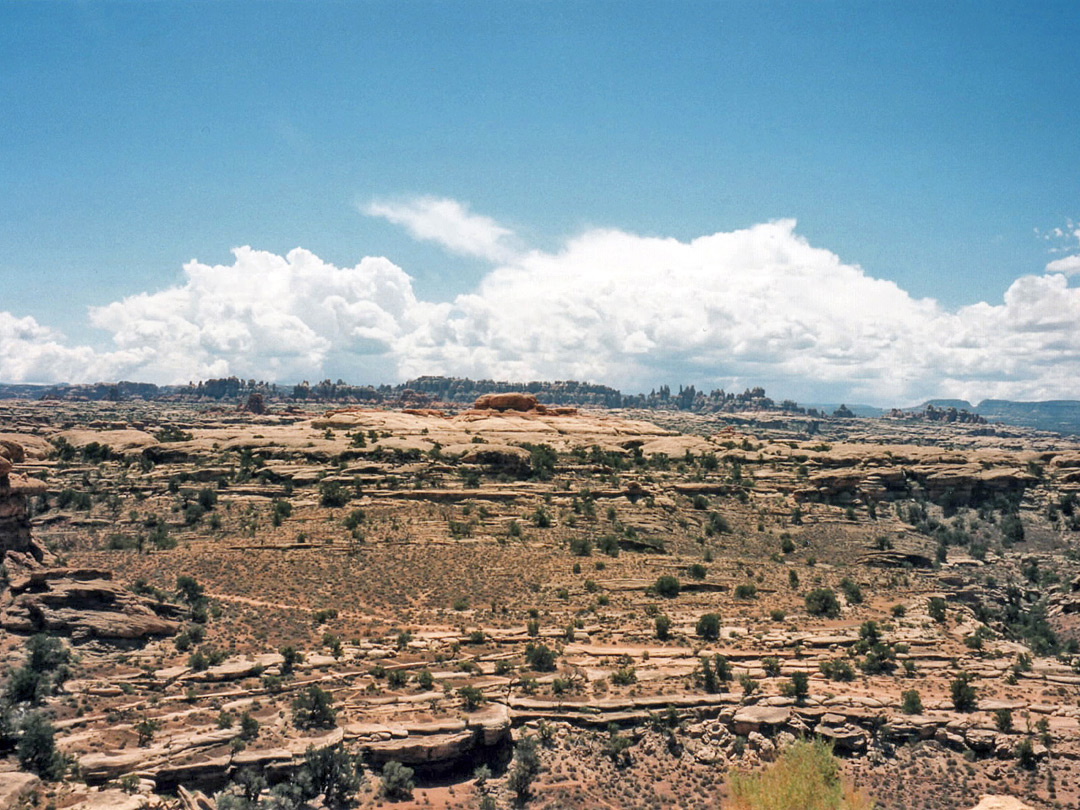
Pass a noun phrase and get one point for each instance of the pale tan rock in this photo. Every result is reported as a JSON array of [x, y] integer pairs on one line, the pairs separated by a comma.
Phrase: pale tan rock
[[84, 602], [110, 800], [122, 441], [15, 787], [754, 718], [1001, 803]]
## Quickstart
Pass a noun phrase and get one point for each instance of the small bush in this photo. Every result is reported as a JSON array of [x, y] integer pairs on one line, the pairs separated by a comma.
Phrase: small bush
[[540, 658], [912, 703], [822, 602], [936, 609], [397, 781], [471, 698], [837, 670], [746, 590], [667, 586], [852, 591], [313, 708], [332, 495], [964, 695], [806, 776], [1025, 754], [1003, 720], [663, 627], [708, 626], [37, 748], [798, 687]]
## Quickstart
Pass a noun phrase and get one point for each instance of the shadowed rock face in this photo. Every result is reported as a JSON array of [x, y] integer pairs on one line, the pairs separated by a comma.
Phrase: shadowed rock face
[[83, 603], [76, 602], [14, 491]]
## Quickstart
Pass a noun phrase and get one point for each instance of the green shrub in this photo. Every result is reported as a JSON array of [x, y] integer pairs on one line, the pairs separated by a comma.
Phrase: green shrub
[[852, 591], [313, 708], [1025, 754], [936, 609], [746, 590], [1012, 529], [1003, 720], [397, 781], [716, 524], [663, 627], [207, 498], [525, 767], [290, 658], [837, 670], [805, 777], [581, 546], [624, 675], [331, 772], [964, 695], [798, 687], [540, 658], [667, 586], [911, 703], [708, 626], [332, 495], [471, 698], [822, 602], [36, 749]]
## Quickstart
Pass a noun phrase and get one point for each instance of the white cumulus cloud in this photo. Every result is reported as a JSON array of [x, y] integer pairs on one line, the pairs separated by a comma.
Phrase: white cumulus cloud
[[733, 309], [1069, 266]]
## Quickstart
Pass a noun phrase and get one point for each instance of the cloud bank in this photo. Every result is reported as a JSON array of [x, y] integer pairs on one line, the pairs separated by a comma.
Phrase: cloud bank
[[753, 306]]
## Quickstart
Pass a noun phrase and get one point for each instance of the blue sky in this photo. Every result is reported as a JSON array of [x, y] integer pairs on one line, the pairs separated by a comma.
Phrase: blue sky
[[923, 142]]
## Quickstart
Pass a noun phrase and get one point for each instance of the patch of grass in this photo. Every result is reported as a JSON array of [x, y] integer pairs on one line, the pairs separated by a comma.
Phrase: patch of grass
[[805, 777]]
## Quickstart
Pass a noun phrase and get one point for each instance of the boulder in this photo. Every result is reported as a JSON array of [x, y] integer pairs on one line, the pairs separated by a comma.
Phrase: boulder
[[84, 603], [428, 749], [847, 738], [760, 718], [506, 402], [15, 787]]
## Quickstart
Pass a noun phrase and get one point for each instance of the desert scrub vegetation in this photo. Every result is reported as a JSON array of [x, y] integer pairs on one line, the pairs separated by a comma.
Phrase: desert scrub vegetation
[[822, 602], [805, 777]]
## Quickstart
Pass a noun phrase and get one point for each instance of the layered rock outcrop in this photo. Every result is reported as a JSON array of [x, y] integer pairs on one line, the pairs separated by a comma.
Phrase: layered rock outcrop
[[14, 493], [82, 603]]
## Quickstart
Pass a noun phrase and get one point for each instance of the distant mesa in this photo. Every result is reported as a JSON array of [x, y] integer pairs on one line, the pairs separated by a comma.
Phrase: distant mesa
[[506, 402], [517, 401]]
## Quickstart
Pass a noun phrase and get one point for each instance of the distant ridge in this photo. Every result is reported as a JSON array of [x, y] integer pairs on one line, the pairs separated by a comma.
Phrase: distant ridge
[[959, 404], [1057, 415]]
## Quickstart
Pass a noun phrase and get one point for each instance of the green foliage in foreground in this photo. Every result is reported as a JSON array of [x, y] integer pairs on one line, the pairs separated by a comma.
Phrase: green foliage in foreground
[[805, 777]]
